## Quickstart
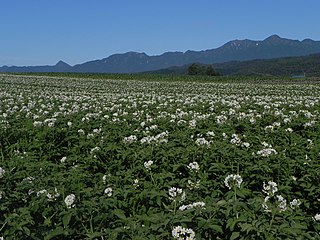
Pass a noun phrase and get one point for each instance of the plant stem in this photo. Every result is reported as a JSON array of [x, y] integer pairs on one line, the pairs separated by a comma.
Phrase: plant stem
[[235, 201], [175, 207], [271, 221], [154, 183]]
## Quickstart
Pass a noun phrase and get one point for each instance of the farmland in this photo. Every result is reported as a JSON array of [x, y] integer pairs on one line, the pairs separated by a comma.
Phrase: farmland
[[90, 158]]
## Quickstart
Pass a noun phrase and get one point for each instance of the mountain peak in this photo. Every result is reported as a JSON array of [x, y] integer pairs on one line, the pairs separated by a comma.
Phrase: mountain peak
[[272, 38], [62, 64]]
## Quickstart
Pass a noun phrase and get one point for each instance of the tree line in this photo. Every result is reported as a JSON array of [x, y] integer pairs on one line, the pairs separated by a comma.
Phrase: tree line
[[202, 70]]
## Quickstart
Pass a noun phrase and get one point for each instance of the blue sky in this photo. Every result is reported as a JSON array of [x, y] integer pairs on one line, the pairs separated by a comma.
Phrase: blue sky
[[42, 32]]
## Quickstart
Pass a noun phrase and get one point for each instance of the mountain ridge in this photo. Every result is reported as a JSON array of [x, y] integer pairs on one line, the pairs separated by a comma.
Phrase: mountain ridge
[[236, 50]]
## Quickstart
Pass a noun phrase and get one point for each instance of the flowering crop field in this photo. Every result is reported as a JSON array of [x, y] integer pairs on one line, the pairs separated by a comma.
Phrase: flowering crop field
[[130, 159]]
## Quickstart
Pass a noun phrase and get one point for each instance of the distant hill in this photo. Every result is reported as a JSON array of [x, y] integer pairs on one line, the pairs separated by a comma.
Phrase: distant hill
[[237, 50], [288, 66], [59, 67]]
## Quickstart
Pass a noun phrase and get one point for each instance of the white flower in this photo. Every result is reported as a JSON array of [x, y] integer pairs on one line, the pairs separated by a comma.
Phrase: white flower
[[69, 124], [2, 172], [265, 205], [44, 191], [235, 178], [94, 150], [148, 164], [316, 217], [194, 166], [203, 142], [245, 144], [193, 205], [267, 152], [108, 191], [193, 185], [81, 131], [290, 130], [282, 203], [130, 139], [183, 233], [177, 194], [63, 160], [69, 200], [192, 123], [295, 203], [37, 123], [136, 183], [54, 196], [270, 189], [210, 134]]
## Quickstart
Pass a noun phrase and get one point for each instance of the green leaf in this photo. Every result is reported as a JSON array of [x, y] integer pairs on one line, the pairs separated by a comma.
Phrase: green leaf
[[234, 235], [216, 228], [56, 232], [66, 219], [120, 214]]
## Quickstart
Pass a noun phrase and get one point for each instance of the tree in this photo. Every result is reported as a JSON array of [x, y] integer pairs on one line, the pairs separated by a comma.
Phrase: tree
[[201, 69], [194, 69], [210, 71]]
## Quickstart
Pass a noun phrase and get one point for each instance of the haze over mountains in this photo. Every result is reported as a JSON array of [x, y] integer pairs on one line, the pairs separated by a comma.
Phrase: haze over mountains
[[237, 50]]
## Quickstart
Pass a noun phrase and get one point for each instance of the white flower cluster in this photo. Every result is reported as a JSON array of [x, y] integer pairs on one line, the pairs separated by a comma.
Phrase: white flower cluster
[[177, 194], [309, 124], [159, 138], [2, 172], [181, 233], [50, 122], [203, 142], [54, 196], [69, 200], [94, 150], [295, 203], [136, 183], [192, 124], [193, 205], [233, 179], [28, 180], [266, 152], [221, 119], [270, 128], [51, 197], [270, 189], [63, 160], [316, 217], [148, 164], [282, 203], [193, 185], [108, 191], [235, 140], [130, 139], [193, 167]]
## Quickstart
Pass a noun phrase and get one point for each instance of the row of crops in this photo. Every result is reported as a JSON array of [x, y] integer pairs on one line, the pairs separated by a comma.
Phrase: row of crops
[[84, 158]]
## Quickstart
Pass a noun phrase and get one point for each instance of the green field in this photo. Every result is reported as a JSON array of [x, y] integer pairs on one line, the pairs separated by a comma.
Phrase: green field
[[150, 157]]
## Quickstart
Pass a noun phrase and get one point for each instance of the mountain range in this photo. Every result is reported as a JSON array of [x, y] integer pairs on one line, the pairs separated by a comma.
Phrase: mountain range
[[236, 50]]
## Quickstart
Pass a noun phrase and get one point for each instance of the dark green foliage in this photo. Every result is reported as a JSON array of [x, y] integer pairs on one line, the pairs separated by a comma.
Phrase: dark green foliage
[[201, 70]]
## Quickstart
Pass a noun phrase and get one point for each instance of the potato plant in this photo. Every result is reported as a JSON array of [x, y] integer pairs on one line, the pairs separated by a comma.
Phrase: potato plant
[[84, 158]]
